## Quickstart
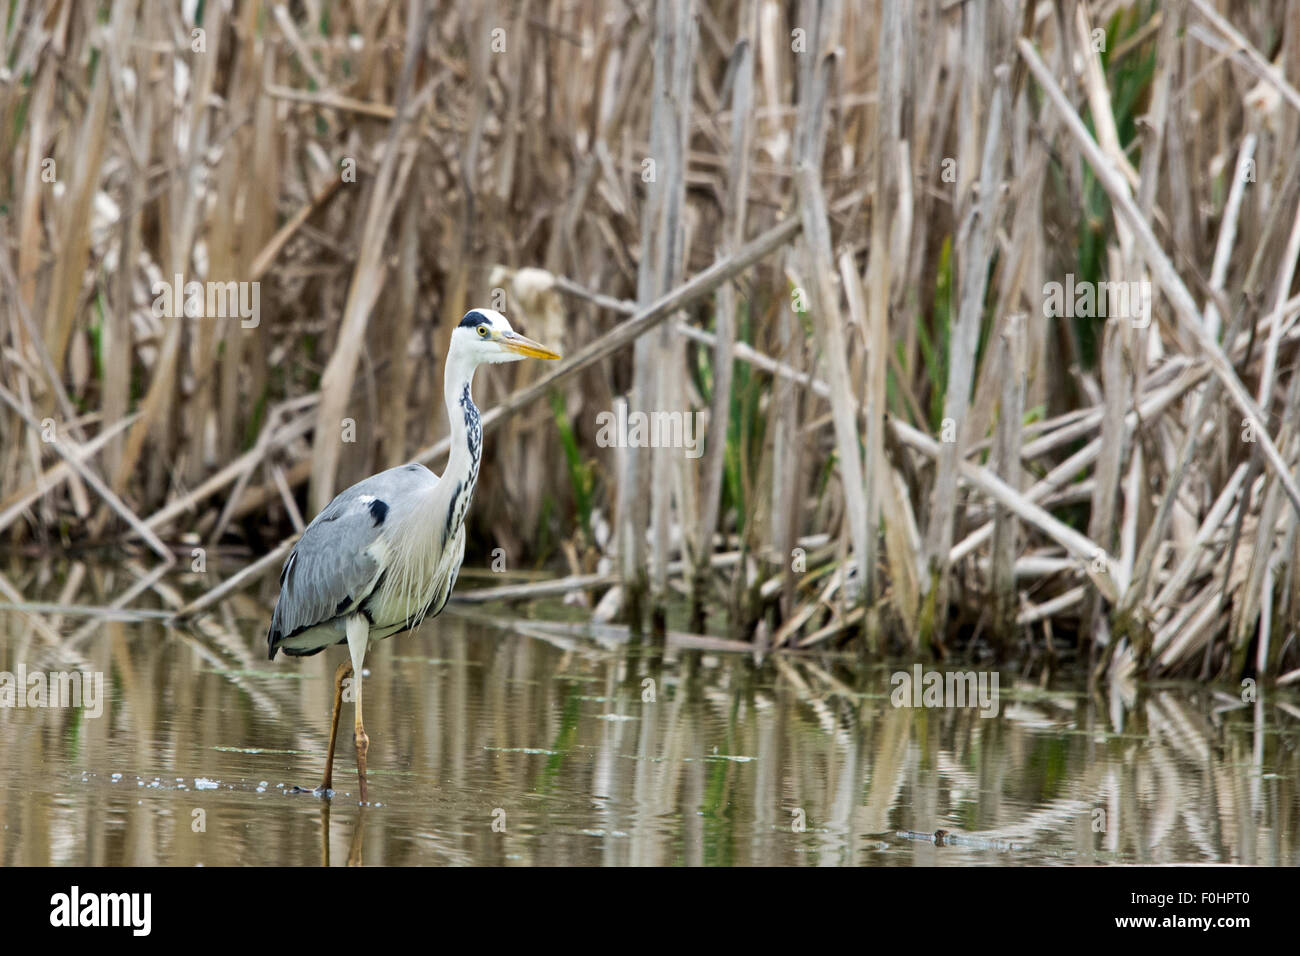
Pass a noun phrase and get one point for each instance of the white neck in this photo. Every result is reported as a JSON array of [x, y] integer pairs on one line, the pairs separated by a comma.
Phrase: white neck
[[466, 437]]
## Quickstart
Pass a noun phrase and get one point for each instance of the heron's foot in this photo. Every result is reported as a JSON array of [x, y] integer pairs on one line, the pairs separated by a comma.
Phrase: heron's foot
[[321, 791]]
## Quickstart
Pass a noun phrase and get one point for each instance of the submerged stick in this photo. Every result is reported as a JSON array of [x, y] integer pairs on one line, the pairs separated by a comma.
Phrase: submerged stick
[[102, 612]]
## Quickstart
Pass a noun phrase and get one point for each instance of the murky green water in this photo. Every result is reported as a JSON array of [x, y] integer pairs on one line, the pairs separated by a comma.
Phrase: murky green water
[[493, 747]]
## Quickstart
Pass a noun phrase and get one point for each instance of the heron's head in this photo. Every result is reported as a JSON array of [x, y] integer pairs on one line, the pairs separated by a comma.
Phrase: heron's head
[[485, 336]]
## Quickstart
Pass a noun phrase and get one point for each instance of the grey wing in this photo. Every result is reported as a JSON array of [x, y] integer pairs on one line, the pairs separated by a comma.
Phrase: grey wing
[[330, 570]]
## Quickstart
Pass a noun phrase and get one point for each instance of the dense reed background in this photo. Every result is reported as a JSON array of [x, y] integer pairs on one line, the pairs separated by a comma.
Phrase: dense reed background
[[830, 228]]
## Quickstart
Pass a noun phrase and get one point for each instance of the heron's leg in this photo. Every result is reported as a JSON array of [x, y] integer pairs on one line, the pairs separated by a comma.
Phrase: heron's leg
[[358, 838], [339, 677], [358, 639]]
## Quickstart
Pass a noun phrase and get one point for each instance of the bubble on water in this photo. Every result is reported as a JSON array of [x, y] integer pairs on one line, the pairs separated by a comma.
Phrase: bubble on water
[[262, 783], [117, 777], [203, 783], [139, 783], [261, 789]]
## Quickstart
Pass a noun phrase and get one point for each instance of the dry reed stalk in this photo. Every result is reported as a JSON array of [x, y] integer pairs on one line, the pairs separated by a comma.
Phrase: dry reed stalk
[[73, 224], [180, 218], [644, 482], [73, 457], [1080, 547], [1007, 455], [830, 328], [395, 166], [14, 505], [733, 234], [1165, 274], [974, 239]]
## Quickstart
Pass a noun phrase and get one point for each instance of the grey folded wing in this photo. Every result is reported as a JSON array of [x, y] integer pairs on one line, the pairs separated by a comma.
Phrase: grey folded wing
[[329, 572]]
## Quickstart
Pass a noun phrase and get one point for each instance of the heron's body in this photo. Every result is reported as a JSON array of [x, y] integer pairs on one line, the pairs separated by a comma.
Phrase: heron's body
[[384, 555], [372, 565]]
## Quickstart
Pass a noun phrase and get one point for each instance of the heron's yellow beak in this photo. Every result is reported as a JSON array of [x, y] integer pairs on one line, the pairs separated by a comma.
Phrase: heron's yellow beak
[[526, 346]]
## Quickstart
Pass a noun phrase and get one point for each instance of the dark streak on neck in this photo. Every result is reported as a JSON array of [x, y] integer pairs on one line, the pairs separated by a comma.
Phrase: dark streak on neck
[[460, 498]]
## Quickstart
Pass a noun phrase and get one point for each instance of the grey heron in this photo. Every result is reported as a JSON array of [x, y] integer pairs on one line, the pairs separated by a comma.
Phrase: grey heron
[[384, 555]]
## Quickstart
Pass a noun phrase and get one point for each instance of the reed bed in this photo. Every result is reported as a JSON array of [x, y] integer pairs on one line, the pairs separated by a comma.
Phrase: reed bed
[[871, 245]]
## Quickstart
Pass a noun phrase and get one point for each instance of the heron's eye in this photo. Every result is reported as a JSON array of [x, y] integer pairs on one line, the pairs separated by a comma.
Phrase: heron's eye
[[482, 330]]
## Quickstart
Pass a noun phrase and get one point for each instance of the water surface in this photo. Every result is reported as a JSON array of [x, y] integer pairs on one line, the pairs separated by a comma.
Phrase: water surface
[[512, 745]]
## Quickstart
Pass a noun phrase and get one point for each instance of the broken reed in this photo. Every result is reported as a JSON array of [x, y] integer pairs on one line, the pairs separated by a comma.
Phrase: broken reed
[[829, 227]]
